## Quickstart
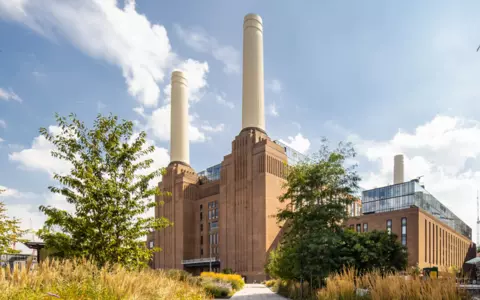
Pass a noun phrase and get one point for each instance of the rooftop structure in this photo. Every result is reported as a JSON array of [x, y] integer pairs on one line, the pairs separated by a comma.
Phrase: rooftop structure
[[408, 194], [293, 156]]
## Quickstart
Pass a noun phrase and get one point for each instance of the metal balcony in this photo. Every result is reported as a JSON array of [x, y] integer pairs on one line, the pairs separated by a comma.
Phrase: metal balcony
[[200, 261]]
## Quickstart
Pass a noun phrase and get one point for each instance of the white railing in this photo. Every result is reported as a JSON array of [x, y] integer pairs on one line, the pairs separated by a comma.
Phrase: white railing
[[199, 260]]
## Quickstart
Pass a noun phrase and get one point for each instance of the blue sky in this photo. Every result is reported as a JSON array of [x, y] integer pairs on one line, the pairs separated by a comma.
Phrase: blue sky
[[390, 77]]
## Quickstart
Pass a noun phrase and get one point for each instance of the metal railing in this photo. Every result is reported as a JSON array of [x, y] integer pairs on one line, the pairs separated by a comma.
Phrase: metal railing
[[200, 260]]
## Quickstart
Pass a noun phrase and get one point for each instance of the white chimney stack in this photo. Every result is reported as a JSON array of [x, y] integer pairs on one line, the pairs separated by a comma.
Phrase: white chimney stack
[[398, 175], [179, 147], [253, 102]]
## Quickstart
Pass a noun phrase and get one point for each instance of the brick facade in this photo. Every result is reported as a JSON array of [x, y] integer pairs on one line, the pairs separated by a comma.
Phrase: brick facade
[[435, 244], [246, 196]]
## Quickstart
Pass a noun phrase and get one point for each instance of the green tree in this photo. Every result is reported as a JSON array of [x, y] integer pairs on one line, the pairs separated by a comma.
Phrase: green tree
[[375, 250], [108, 186], [10, 232], [318, 191]]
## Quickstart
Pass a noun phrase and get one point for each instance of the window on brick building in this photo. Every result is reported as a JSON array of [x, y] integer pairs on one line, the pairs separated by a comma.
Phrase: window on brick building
[[213, 225], [359, 227], [426, 245], [201, 216], [201, 227], [389, 226], [201, 240], [150, 244], [365, 227], [404, 231], [201, 251]]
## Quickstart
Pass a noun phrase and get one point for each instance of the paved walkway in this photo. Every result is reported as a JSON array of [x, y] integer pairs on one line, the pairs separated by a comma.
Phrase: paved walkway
[[256, 292]]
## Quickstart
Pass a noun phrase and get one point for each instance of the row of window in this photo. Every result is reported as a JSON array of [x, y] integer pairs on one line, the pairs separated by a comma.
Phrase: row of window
[[212, 210], [211, 226], [213, 214], [389, 229], [359, 227], [442, 247], [214, 239]]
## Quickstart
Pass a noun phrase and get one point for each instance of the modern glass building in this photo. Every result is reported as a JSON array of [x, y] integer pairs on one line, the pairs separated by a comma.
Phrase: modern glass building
[[212, 173], [293, 156], [411, 194]]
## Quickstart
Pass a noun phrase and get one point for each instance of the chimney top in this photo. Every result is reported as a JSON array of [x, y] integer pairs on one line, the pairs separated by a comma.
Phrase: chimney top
[[254, 17]]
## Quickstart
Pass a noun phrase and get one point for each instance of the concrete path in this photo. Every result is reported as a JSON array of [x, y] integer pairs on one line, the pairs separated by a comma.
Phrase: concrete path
[[256, 292]]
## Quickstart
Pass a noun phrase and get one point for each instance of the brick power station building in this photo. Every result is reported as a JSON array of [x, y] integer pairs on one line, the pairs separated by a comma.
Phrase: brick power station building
[[223, 216]]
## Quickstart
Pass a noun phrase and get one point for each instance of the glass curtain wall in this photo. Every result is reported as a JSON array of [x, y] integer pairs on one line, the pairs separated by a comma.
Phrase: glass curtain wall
[[407, 194], [293, 156], [212, 173]]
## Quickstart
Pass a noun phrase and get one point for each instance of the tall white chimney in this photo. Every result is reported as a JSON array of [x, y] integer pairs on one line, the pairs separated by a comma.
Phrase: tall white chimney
[[179, 147], [398, 176], [253, 102]]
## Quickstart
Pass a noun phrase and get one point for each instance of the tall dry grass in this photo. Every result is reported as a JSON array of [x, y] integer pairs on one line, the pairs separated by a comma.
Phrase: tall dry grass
[[234, 279], [81, 279], [394, 286]]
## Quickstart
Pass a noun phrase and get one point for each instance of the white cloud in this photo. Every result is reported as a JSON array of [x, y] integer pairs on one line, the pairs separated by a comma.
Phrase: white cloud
[[275, 86], [272, 110], [158, 120], [8, 95], [122, 37], [200, 41], [196, 73], [220, 99], [30, 218], [160, 157], [209, 128], [103, 30], [446, 151], [158, 123], [9, 192], [39, 157], [299, 143], [1, 140], [3, 124]]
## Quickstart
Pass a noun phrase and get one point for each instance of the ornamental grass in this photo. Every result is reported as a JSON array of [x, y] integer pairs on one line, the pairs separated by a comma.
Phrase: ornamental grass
[[81, 279]]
